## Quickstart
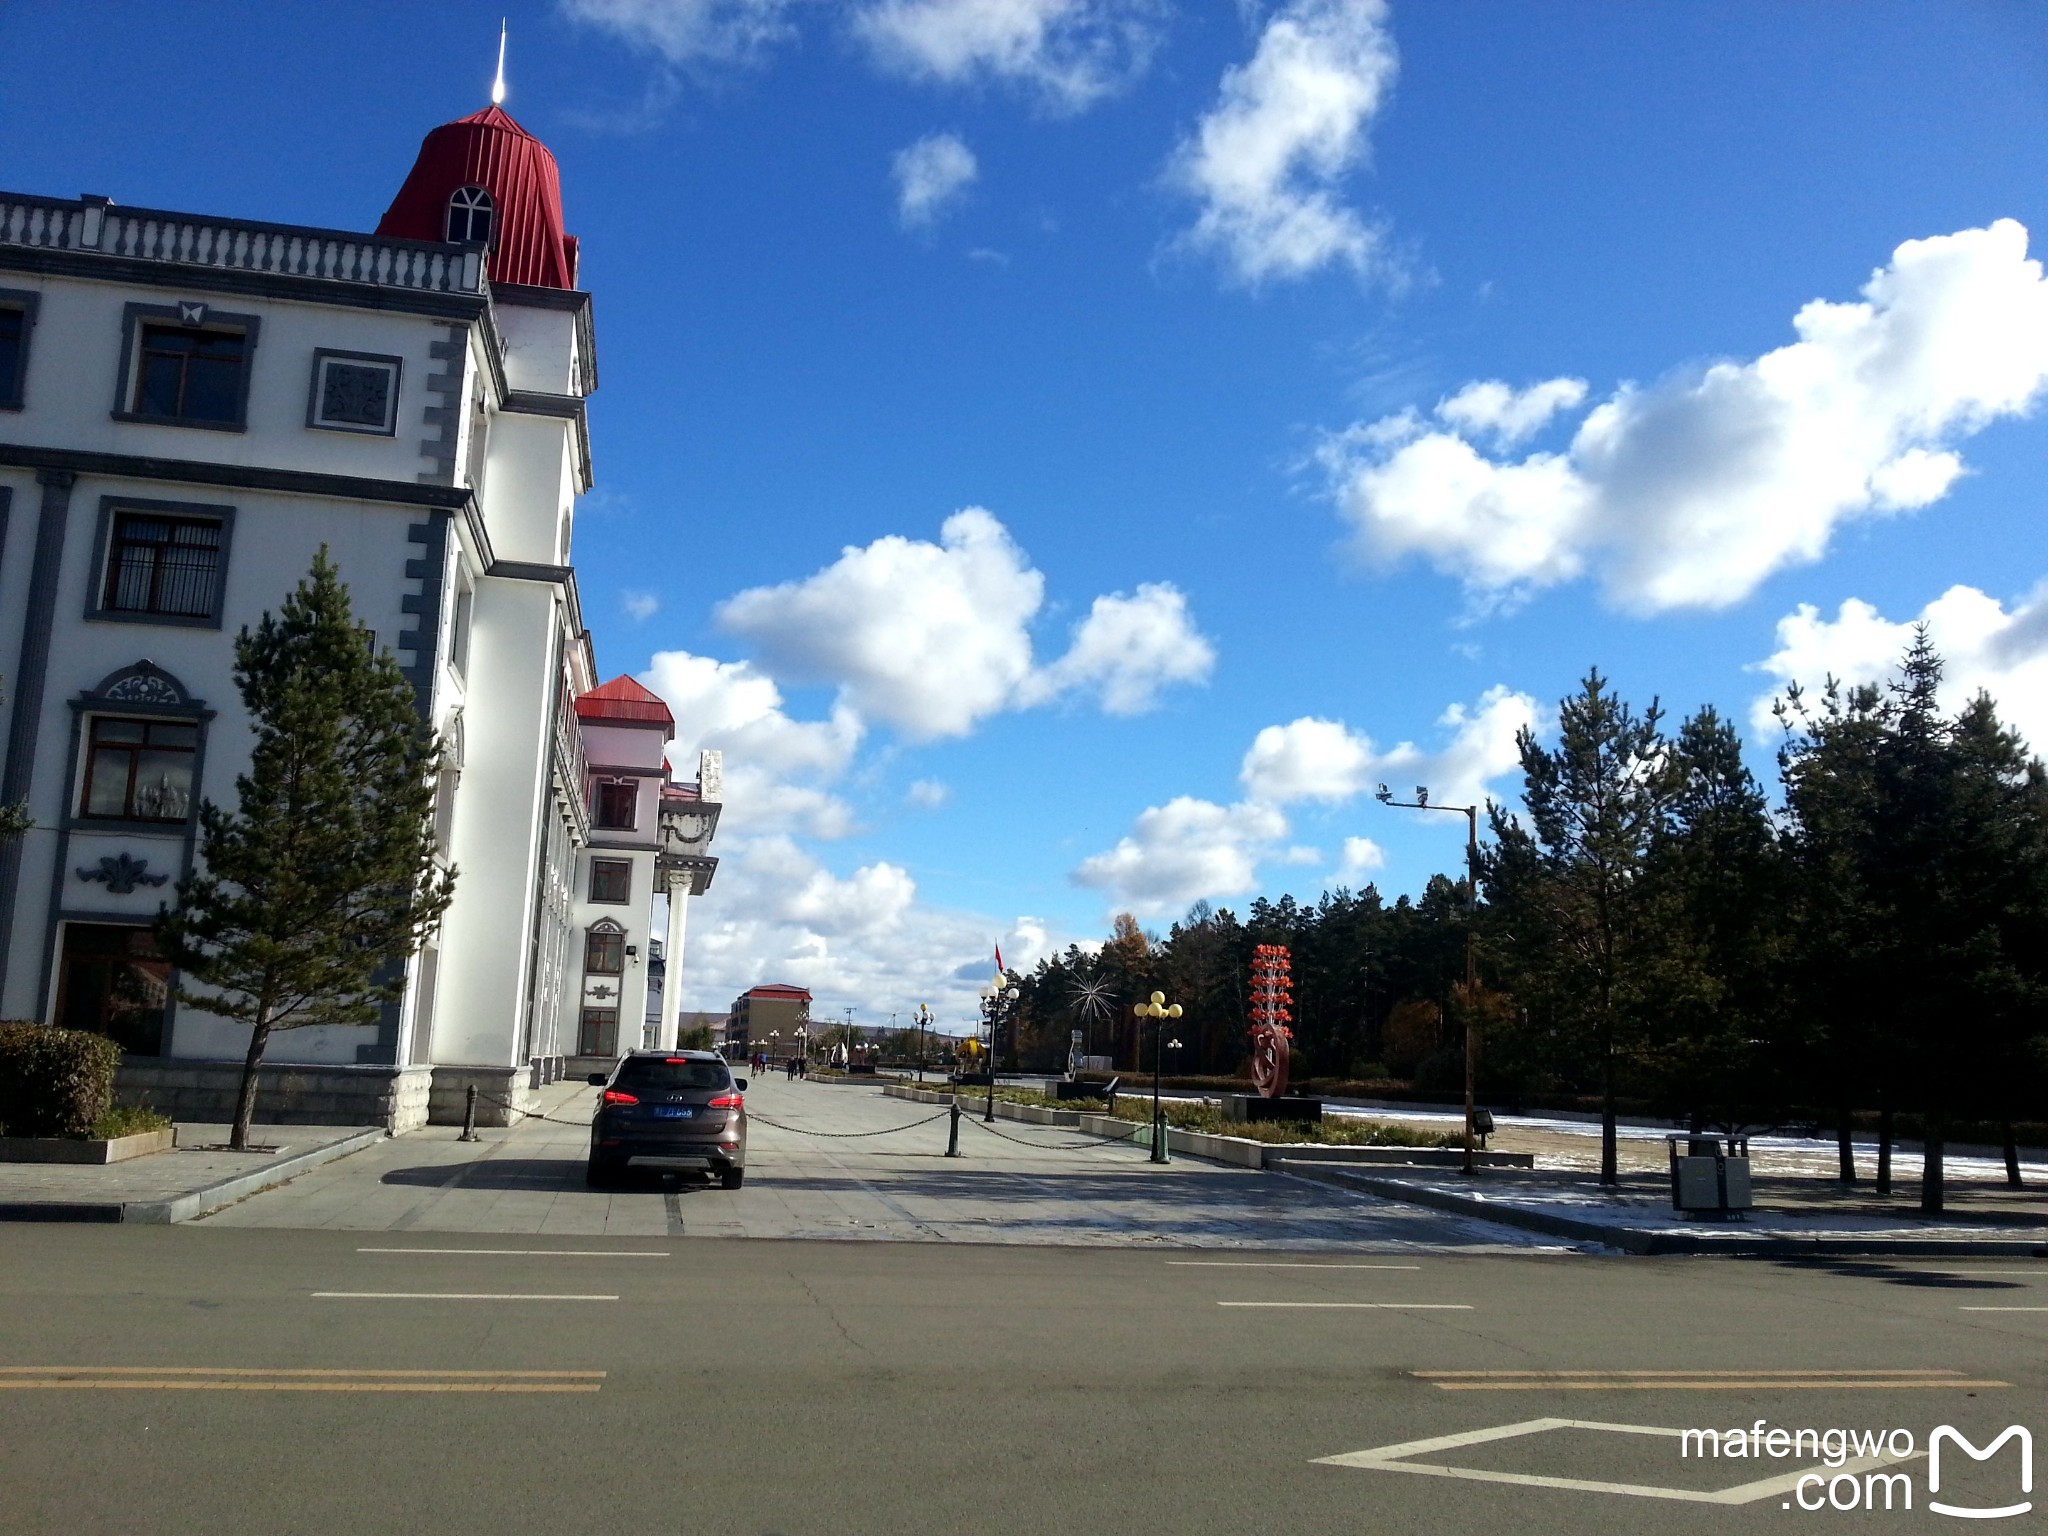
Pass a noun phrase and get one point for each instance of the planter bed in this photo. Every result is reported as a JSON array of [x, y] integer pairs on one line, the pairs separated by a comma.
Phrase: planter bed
[[56, 1149]]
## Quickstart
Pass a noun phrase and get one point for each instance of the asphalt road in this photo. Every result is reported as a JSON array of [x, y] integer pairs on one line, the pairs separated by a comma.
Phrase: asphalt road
[[223, 1380]]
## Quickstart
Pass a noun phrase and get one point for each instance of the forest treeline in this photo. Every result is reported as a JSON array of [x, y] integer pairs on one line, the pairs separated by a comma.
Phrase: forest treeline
[[1654, 930]]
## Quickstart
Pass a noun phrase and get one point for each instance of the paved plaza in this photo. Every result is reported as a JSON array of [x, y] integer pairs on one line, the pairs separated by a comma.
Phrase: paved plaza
[[840, 1160]]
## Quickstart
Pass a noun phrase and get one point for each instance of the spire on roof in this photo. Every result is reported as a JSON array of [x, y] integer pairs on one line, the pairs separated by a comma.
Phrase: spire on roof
[[498, 85]]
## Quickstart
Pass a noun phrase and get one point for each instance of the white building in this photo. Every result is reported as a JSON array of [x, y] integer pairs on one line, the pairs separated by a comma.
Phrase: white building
[[190, 407]]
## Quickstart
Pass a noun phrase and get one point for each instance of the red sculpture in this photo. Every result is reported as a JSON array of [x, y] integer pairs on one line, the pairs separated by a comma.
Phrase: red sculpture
[[1272, 991]]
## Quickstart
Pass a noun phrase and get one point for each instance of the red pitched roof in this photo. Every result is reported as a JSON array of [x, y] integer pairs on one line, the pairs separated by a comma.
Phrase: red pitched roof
[[778, 989], [624, 702], [489, 150]]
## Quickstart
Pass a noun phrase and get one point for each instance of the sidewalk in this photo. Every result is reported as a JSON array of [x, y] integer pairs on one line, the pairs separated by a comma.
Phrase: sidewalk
[[192, 1179], [1794, 1215], [842, 1161]]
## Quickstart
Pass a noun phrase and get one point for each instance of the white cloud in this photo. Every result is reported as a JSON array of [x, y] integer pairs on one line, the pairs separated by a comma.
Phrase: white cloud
[[1130, 649], [1690, 492], [1317, 759], [1267, 159], [927, 794], [930, 175], [1069, 54], [1493, 409], [1191, 849], [864, 938], [639, 606], [931, 638], [1185, 851], [690, 31], [778, 770], [1984, 645], [1361, 857]]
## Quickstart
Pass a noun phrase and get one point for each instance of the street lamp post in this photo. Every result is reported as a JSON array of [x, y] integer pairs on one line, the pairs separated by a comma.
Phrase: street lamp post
[[924, 1023], [992, 1002], [1159, 1010], [1385, 796]]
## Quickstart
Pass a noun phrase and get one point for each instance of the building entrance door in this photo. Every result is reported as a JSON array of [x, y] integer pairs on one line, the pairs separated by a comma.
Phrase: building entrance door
[[111, 981]]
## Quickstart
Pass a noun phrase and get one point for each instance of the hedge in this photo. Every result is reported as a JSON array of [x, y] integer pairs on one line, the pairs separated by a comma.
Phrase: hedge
[[54, 1082]]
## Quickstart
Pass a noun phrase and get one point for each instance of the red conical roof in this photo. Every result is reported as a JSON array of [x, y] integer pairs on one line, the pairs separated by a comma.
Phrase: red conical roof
[[622, 699], [489, 150]]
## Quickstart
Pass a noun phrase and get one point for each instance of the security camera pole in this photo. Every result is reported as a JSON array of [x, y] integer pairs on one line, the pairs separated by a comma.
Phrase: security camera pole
[[1385, 796]]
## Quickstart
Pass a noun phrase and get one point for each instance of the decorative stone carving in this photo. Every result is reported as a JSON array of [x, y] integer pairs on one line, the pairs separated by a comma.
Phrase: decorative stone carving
[[122, 872], [142, 688]]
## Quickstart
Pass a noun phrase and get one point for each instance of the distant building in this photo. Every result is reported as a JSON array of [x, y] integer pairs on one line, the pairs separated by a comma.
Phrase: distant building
[[772, 1018]]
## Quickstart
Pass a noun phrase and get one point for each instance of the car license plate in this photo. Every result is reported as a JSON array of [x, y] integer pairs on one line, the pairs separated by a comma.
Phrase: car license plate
[[672, 1112]]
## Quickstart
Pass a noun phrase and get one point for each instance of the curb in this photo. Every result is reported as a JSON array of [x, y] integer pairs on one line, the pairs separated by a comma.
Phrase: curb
[[1637, 1240], [194, 1203]]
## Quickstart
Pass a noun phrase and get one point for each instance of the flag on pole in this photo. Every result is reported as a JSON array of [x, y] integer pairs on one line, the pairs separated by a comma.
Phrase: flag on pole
[[999, 959]]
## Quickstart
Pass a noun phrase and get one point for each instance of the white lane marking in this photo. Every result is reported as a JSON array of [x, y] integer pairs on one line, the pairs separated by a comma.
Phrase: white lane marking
[[1394, 1458], [2002, 1309], [1358, 1306], [532, 1253], [1264, 1264], [443, 1296]]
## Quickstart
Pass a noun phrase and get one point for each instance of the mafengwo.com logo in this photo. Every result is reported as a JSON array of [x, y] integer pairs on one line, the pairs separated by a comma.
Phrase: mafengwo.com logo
[[1870, 1469]]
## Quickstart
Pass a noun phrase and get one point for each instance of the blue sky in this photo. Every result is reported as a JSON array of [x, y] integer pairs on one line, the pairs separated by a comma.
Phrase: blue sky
[[1189, 300]]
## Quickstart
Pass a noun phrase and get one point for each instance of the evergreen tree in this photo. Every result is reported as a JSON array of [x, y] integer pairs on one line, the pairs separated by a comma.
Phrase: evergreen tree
[[1572, 885], [314, 890]]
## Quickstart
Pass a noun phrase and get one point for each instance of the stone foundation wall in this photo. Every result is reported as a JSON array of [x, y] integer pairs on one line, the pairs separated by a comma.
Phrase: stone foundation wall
[[286, 1093], [496, 1087]]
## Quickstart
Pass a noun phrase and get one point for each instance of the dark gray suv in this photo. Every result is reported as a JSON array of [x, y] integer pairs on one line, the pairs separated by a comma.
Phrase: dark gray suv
[[669, 1109]]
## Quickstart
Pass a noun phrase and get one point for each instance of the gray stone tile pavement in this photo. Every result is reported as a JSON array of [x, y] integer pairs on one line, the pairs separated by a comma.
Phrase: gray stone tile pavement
[[199, 1161], [813, 1173]]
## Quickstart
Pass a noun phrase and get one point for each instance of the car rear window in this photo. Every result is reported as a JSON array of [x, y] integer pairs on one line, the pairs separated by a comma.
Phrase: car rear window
[[651, 1072]]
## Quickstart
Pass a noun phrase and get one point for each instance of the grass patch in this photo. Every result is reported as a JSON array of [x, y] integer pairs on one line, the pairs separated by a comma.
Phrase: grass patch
[[120, 1122], [1210, 1120]]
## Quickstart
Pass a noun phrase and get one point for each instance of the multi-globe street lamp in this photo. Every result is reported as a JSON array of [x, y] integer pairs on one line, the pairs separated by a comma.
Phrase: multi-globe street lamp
[[1385, 796], [992, 1005], [1159, 1010]]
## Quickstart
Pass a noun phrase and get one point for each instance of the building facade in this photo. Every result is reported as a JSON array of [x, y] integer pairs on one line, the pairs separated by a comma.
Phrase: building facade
[[774, 1018], [190, 408]]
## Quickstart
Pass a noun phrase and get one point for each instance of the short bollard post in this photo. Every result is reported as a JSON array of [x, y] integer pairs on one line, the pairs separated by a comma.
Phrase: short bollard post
[[953, 1131], [469, 1116]]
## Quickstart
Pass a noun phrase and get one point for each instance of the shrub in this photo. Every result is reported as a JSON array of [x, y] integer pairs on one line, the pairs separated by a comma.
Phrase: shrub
[[54, 1082], [123, 1120]]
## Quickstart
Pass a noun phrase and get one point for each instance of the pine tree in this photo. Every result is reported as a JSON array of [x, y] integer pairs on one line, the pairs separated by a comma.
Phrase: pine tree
[[315, 889], [1571, 888]]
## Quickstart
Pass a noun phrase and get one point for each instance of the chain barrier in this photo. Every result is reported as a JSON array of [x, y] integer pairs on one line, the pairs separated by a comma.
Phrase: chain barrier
[[1139, 1128], [846, 1135], [531, 1114]]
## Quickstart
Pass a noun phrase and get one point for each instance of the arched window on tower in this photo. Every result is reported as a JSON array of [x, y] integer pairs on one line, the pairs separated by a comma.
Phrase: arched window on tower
[[471, 216]]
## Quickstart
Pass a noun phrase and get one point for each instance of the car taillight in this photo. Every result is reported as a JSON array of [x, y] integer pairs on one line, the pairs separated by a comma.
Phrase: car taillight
[[613, 1096], [726, 1101]]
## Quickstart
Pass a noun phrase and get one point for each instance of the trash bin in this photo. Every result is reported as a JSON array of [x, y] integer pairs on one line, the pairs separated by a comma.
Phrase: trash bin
[[1710, 1176]]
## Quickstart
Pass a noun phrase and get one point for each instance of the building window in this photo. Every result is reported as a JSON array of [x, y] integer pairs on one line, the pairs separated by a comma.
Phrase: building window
[[138, 770], [604, 950], [112, 982], [354, 392], [470, 216], [187, 374], [599, 1035], [611, 880], [617, 803], [17, 319], [163, 566], [458, 629], [187, 365]]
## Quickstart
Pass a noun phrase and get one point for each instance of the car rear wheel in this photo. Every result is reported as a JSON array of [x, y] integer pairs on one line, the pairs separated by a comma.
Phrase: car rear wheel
[[732, 1178]]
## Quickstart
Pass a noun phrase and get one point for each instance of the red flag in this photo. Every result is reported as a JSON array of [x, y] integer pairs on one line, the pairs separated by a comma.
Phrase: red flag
[[999, 959]]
